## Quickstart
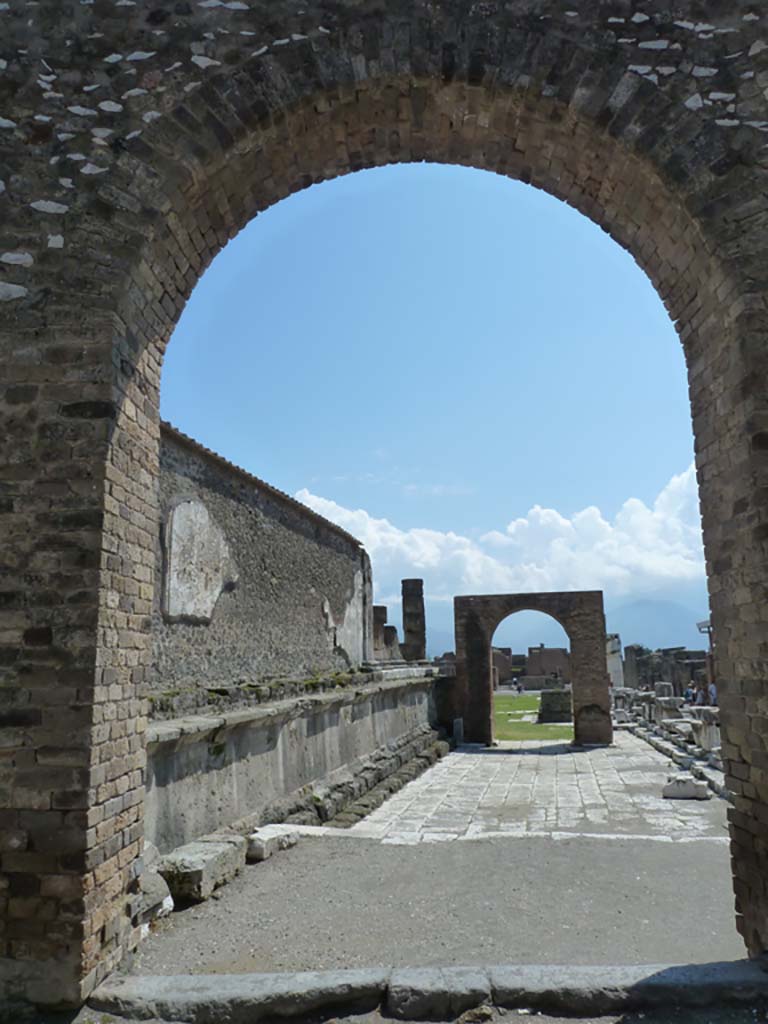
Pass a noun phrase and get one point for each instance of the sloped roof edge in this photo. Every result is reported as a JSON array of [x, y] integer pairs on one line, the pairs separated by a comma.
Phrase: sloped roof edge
[[189, 442]]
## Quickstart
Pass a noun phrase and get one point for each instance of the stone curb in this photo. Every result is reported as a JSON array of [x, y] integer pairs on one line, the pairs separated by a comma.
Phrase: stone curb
[[428, 993]]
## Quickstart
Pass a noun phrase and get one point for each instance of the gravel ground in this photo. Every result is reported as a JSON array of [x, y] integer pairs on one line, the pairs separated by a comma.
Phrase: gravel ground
[[333, 903]]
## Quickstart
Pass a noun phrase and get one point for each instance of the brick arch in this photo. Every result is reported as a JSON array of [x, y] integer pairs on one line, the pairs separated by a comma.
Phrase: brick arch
[[581, 615], [135, 144]]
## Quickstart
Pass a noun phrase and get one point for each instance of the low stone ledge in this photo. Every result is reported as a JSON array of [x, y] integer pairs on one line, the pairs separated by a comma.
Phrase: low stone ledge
[[195, 870], [435, 993], [198, 701], [431, 993], [192, 728], [240, 998]]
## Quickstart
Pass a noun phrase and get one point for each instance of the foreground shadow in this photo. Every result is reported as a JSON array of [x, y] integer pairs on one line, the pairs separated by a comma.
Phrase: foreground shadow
[[544, 748]]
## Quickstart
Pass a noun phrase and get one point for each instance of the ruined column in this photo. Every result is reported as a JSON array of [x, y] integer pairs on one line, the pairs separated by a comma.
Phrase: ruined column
[[379, 622], [414, 646]]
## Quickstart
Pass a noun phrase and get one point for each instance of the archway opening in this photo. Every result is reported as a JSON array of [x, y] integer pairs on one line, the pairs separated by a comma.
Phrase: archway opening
[[531, 679], [195, 148]]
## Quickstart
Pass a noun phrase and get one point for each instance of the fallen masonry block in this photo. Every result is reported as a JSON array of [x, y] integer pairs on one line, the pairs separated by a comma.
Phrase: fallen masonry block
[[268, 840], [156, 899], [685, 787], [195, 870]]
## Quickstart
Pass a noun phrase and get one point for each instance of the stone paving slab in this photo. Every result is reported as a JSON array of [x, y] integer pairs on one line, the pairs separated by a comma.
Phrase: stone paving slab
[[532, 787]]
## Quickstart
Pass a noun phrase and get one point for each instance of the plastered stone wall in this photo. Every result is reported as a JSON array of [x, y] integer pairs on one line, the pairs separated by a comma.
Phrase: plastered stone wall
[[581, 615], [207, 772], [135, 140], [288, 593]]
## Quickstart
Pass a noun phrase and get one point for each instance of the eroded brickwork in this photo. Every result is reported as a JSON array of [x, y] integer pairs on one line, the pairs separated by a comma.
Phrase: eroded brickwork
[[136, 138], [581, 615]]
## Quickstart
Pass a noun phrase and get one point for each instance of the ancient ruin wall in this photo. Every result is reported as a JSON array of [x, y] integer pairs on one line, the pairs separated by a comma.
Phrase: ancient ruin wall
[[288, 592], [135, 140]]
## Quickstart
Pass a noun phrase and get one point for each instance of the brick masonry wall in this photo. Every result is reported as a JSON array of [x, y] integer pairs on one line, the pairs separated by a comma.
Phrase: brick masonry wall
[[581, 615], [134, 142], [274, 622]]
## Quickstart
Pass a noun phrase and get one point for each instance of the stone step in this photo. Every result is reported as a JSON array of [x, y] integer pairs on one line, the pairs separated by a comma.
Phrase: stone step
[[195, 870]]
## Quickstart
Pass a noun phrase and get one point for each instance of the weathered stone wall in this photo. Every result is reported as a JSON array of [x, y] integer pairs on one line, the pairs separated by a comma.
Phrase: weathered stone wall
[[135, 140], [294, 601], [206, 772]]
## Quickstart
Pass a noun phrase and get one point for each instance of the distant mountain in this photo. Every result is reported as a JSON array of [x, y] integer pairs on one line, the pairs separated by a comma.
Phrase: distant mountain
[[657, 623], [650, 621]]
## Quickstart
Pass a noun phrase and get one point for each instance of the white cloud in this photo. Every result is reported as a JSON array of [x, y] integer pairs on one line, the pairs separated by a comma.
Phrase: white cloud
[[640, 550]]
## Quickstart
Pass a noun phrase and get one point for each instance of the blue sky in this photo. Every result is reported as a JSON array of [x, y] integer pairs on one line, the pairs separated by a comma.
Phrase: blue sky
[[443, 350]]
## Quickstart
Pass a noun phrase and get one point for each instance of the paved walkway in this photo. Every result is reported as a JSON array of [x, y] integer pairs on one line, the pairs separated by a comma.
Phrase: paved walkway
[[545, 788], [558, 858]]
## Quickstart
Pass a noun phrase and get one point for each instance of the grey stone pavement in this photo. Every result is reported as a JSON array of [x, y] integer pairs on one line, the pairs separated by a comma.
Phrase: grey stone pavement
[[529, 853], [531, 787]]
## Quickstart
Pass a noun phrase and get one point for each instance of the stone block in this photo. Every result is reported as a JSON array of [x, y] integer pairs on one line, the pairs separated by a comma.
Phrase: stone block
[[241, 998], [685, 787], [268, 840], [156, 899], [435, 993], [195, 870], [555, 706]]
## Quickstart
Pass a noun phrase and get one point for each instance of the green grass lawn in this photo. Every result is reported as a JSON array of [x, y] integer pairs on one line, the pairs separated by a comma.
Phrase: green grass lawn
[[506, 704]]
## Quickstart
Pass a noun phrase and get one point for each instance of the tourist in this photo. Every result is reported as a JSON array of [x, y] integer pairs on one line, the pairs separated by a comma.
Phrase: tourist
[[713, 694], [701, 695], [688, 694]]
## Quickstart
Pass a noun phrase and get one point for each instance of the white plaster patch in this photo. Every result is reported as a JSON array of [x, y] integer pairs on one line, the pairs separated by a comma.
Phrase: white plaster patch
[[17, 259], [66, 183], [348, 635], [756, 48], [694, 102], [113, 58], [150, 116], [639, 18], [2, 186], [5, 122], [48, 206], [110, 107], [9, 292], [82, 111], [205, 62], [134, 92], [90, 168], [703, 72], [654, 44], [55, 241], [3, 64], [141, 55], [198, 563]]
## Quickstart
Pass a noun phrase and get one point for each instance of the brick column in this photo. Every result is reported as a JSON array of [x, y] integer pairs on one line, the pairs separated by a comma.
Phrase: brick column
[[414, 644], [473, 689], [379, 622], [590, 682]]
